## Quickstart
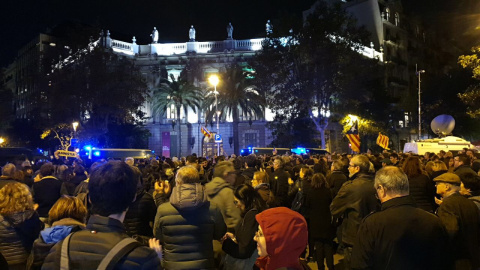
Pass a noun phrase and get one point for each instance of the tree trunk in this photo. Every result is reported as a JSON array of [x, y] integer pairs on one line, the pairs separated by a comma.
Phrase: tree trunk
[[236, 143], [321, 124], [179, 134]]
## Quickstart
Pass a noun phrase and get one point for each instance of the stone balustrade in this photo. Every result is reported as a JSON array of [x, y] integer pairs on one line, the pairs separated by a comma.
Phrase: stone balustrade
[[202, 47]]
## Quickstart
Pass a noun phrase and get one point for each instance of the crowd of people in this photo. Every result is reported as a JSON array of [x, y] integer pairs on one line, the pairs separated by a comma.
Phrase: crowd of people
[[380, 211]]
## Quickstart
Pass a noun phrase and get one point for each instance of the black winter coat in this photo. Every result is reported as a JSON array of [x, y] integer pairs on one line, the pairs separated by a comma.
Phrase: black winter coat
[[68, 187], [279, 186], [336, 180], [17, 233], [244, 232], [140, 215], [317, 204], [87, 249], [355, 200], [422, 190], [461, 218], [401, 237]]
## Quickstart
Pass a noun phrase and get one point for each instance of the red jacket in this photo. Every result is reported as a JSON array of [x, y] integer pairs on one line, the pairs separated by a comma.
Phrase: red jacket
[[286, 236]]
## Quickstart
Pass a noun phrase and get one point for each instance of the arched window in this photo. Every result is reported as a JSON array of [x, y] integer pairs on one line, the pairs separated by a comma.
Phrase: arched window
[[387, 14], [397, 19]]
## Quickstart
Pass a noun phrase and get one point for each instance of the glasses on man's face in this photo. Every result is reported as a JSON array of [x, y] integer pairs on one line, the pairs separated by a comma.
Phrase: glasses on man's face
[[352, 165], [235, 202]]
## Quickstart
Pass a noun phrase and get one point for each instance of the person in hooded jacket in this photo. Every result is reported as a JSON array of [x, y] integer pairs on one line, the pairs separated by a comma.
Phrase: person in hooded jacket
[[19, 224], [281, 238], [187, 225], [67, 215], [220, 192]]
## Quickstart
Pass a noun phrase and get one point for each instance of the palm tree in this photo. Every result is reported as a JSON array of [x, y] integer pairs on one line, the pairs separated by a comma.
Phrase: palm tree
[[180, 93], [235, 95]]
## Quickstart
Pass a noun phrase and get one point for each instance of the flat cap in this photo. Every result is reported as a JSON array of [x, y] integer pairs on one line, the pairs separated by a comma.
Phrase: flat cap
[[448, 178]]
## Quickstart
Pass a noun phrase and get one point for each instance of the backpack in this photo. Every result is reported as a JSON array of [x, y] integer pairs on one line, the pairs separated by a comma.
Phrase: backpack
[[110, 260], [299, 200]]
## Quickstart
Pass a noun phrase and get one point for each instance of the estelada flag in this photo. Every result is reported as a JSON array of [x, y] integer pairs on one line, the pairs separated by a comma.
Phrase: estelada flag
[[353, 137], [205, 132], [382, 140]]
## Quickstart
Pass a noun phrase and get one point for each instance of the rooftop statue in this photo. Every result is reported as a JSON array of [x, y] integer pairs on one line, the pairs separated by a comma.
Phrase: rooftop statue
[[230, 31], [268, 28], [191, 33], [154, 35]]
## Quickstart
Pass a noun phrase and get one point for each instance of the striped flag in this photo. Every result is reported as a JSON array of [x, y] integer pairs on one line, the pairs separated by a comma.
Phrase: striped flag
[[382, 140], [353, 137], [205, 132]]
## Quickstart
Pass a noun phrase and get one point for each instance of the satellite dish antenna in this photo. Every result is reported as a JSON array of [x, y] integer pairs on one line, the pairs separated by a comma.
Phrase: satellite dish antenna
[[443, 125]]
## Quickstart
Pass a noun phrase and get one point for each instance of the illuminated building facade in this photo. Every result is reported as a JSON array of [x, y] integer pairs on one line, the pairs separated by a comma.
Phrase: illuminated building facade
[[200, 59]]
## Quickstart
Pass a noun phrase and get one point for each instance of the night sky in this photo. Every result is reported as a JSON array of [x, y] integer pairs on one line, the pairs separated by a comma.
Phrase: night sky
[[21, 20]]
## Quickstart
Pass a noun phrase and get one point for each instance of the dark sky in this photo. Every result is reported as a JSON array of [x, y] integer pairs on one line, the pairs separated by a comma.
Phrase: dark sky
[[20, 20]]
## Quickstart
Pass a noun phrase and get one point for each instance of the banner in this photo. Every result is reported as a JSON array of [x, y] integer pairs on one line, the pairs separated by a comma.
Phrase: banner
[[354, 138], [383, 141], [205, 132], [63, 153], [166, 144]]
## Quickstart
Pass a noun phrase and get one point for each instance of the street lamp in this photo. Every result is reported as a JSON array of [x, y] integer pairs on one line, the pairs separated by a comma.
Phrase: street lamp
[[214, 80], [2, 140], [75, 125], [419, 103]]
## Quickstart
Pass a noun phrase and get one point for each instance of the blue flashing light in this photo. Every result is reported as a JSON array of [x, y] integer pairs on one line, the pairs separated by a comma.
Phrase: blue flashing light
[[308, 151], [96, 153], [241, 151], [256, 151], [153, 151], [298, 150], [87, 147], [40, 150]]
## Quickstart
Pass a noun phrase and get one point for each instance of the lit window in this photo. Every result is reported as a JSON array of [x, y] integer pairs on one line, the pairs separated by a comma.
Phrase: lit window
[[387, 14]]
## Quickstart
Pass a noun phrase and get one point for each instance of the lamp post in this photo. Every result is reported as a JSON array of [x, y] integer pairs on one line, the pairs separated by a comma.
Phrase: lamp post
[[2, 140], [213, 80], [419, 103]]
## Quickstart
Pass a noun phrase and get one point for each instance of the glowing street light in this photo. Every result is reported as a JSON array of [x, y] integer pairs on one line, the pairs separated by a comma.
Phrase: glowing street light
[[214, 80], [75, 125], [2, 140], [353, 118]]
